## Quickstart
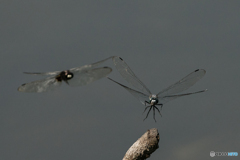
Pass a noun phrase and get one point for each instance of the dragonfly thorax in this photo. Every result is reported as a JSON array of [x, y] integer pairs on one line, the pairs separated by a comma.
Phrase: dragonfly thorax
[[153, 99], [64, 75]]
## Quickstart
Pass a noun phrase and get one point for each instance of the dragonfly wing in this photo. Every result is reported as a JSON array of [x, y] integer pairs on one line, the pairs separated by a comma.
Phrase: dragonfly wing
[[128, 75], [44, 73], [140, 96], [90, 66], [77, 69], [84, 77], [96, 64], [44, 85], [165, 99], [183, 84]]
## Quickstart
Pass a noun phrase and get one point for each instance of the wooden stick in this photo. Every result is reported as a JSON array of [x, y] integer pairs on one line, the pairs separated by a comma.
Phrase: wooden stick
[[144, 146]]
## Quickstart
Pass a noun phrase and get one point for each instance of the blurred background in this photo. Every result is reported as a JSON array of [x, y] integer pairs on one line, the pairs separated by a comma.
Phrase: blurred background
[[162, 41]]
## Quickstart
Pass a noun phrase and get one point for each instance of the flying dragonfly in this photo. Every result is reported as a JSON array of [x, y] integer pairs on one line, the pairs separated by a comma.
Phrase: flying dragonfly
[[150, 100], [78, 76]]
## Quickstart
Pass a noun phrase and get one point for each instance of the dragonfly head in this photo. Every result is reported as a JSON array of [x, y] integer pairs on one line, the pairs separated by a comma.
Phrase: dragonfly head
[[64, 75], [153, 99], [68, 75]]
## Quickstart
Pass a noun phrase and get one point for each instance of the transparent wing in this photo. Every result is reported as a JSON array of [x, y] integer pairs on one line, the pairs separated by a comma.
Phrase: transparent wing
[[90, 66], [128, 75], [96, 64], [165, 99], [77, 69], [43, 85], [140, 96], [183, 84], [43, 73], [84, 77]]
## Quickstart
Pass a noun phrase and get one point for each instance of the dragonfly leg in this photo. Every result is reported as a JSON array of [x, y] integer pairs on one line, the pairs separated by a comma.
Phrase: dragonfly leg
[[154, 114], [146, 102], [66, 81], [148, 112], [158, 111], [160, 105], [145, 109]]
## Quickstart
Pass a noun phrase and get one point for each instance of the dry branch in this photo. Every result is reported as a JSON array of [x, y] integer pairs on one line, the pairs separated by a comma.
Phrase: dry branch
[[144, 146]]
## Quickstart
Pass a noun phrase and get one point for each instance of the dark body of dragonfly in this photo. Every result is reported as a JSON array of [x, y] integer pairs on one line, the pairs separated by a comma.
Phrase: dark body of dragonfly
[[153, 100], [78, 76]]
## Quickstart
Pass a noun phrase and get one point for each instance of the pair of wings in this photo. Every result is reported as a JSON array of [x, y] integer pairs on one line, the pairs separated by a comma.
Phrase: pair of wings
[[165, 95], [81, 76]]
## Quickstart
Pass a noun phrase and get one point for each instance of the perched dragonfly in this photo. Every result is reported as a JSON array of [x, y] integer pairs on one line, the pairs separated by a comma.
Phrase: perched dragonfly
[[78, 76], [152, 100]]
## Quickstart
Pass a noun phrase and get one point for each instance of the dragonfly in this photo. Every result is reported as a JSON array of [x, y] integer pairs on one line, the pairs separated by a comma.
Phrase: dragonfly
[[78, 76], [148, 99]]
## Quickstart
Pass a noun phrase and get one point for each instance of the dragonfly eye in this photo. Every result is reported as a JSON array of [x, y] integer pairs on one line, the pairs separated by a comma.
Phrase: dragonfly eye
[[69, 76]]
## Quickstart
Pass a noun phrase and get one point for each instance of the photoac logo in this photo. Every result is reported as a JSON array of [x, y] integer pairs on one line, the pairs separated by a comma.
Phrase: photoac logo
[[213, 154], [232, 153]]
